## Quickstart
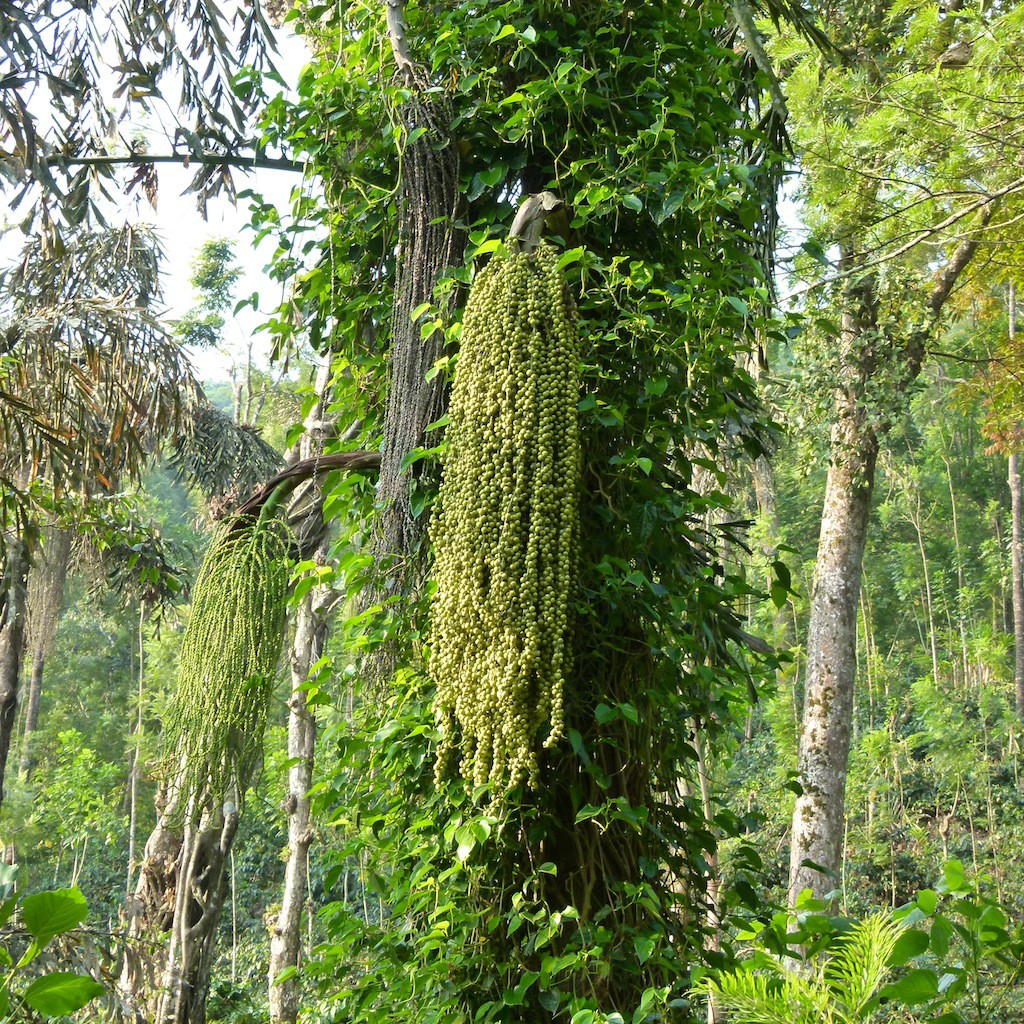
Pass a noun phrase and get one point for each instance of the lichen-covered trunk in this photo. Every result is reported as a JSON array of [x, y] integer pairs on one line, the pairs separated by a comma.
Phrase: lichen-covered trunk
[[832, 660], [12, 639], [286, 935]]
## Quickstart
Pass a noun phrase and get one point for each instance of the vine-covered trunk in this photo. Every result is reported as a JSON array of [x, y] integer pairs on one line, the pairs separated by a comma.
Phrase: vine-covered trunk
[[199, 896], [428, 246], [181, 889], [12, 639]]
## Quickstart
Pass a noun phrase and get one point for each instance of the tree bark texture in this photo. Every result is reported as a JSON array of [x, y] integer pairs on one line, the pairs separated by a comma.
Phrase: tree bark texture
[[181, 889], [1017, 551], [429, 244], [1017, 538], [35, 693], [831, 658], [12, 640]]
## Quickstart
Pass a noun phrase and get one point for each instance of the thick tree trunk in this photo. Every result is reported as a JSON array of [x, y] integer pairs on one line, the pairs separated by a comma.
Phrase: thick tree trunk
[[45, 603], [832, 658], [181, 889], [12, 640]]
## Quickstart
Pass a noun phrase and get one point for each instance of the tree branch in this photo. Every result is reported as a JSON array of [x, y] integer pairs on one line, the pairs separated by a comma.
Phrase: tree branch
[[302, 470], [395, 14], [259, 163]]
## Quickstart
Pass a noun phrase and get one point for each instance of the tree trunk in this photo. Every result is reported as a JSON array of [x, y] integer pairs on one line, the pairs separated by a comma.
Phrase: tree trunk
[[307, 647], [832, 632], [1017, 541], [832, 658], [1017, 550], [181, 890], [35, 692], [45, 602], [199, 896], [12, 639], [286, 936]]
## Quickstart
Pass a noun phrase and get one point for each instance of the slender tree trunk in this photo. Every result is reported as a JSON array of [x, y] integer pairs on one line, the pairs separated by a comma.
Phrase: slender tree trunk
[[307, 647], [1017, 543], [35, 693], [286, 936], [929, 599], [817, 836], [1017, 553], [832, 659], [136, 770], [12, 640]]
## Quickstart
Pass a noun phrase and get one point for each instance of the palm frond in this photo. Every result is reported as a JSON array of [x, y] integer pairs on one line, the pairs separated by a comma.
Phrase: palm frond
[[197, 48], [785, 998], [222, 458]]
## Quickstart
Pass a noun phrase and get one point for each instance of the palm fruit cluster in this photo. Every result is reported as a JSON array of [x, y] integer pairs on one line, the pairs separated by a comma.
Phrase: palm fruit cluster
[[228, 661], [506, 534]]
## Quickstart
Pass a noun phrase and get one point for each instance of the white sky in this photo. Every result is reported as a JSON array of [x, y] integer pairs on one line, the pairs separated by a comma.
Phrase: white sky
[[182, 231]]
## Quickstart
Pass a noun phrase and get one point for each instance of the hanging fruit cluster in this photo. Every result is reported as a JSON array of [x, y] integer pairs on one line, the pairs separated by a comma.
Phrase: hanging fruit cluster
[[228, 662], [507, 531]]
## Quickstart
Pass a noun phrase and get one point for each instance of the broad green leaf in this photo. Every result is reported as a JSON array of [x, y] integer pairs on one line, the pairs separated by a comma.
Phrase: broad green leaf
[[916, 986], [910, 944], [47, 914], [55, 995]]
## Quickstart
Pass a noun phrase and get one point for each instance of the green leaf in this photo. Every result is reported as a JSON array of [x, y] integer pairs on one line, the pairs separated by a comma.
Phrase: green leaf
[[954, 878], [927, 901], [8, 876], [55, 995], [916, 986], [910, 944], [644, 946], [47, 914]]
